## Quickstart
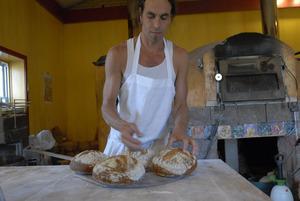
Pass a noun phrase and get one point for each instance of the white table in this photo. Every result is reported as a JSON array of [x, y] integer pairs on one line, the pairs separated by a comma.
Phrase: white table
[[213, 180]]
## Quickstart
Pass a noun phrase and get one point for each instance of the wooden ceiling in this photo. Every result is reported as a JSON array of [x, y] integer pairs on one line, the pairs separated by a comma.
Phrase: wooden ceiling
[[75, 11]]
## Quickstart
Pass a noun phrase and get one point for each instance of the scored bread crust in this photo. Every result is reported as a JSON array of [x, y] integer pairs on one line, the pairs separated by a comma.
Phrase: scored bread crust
[[144, 156], [119, 170], [174, 162], [85, 161]]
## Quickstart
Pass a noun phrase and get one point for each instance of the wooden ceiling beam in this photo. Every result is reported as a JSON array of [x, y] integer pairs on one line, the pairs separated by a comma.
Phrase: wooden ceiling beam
[[213, 6], [120, 12], [54, 8], [96, 14]]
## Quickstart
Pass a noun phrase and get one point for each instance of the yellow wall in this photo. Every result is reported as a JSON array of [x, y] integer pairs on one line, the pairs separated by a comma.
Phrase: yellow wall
[[67, 52], [84, 44], [193, 31], [27, 28], [289, 29]]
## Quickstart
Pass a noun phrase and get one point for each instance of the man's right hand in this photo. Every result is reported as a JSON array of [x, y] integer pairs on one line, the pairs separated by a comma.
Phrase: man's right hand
[[127, 138]]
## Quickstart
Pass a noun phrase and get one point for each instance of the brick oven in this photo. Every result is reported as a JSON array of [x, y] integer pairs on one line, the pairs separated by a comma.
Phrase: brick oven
[[255, 102], [248, 82]]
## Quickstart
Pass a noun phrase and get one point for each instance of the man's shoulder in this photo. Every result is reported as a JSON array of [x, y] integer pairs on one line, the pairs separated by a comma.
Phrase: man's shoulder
[[179, 51], [118, 49], [116, 57], [180, 58]]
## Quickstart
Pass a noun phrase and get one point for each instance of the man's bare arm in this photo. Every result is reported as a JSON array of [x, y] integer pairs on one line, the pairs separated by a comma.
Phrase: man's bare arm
[[114, 67], [180, 108]]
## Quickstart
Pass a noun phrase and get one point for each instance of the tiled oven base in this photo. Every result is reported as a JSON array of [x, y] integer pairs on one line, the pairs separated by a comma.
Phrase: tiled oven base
[[246, 130], [243, 121]]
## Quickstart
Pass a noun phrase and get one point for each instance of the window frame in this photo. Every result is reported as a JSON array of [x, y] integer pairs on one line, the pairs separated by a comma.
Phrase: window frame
[[4, 68]]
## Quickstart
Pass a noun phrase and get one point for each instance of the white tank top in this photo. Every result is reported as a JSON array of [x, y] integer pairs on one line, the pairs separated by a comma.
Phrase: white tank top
[[156, 72]]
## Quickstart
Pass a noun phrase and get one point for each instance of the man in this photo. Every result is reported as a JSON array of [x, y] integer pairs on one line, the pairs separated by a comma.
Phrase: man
[[146, 74]]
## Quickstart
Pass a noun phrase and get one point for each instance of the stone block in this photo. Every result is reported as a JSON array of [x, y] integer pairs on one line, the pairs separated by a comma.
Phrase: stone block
[[248, 114], [278, 112], [228, 116]]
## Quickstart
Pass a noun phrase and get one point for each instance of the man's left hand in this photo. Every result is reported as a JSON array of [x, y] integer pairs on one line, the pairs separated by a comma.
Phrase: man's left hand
[[185, 139]]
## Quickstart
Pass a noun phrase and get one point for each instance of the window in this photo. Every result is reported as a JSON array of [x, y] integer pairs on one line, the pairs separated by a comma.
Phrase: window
[[4, 82]]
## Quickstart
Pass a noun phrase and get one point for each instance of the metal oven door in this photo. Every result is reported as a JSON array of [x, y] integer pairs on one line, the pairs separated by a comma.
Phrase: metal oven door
[[251, 78]]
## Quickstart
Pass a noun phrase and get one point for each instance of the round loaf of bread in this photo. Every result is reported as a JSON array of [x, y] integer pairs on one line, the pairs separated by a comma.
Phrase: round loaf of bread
[[144, 156], [119, 170], [85, 161], [173, 162]]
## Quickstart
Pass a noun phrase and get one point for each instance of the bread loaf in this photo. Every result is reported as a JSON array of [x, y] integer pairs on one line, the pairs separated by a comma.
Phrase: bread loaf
[[85, 161], [144, 156], [119, 170], [173, 162]]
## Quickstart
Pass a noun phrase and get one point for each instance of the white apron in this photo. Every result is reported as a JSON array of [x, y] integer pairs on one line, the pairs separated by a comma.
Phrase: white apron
[[144, 101]]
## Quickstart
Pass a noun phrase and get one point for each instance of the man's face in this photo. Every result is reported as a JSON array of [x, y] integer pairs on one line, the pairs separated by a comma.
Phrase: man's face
[[156, 19]]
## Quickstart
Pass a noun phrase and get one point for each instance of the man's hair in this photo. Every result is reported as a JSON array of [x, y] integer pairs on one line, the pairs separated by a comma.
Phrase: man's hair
[[172, 2]]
